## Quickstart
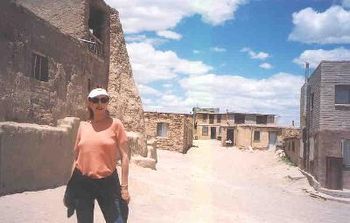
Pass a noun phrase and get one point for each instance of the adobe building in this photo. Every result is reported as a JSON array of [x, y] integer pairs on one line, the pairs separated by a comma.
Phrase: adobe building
[[325, 124], [170, 131], [52, 54], [243, 130]]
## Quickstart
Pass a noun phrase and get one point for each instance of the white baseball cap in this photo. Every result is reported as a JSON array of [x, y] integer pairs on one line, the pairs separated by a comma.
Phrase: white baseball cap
[[98, 92]]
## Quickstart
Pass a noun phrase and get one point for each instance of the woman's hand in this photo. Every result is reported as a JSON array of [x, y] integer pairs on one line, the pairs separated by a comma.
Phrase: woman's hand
[[125, 193]]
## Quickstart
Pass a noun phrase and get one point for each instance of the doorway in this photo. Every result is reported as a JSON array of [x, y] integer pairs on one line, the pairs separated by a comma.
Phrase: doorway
[[213, 132], [334, 173], [230, 137], [272, 140]]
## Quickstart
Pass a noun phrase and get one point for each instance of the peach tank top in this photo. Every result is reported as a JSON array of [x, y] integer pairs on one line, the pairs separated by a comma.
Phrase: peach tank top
[[97, 152]]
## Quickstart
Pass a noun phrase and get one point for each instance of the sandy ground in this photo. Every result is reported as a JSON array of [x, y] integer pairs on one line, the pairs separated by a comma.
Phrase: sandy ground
[[208, 184]]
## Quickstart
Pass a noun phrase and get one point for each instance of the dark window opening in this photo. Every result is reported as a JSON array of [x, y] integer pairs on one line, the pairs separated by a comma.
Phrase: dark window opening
[[293, 146], [218, 117], [96, 23], [205, 117], [261, 119], [204, 131], [40, 67], [162, 129], [239, 119], [211, 119], [312, 101], [342, 94], [257, 136]]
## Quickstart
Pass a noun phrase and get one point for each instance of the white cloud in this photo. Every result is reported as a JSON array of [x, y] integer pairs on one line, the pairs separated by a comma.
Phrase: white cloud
[[346, 3], [147, 90], [255, 55], [155, 15], [314, 57], [329, 27], [265, 66], [218, 49], [151, 65], [278, 94], [196, 51], [169, 34]]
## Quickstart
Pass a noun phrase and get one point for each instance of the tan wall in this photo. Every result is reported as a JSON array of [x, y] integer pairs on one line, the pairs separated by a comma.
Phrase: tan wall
[[264, 139], [199, 135], [179, 135], [35, 157], [244, 136]]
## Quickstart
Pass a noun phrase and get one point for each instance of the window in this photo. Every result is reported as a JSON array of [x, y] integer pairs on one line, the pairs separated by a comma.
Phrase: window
[[261, 119], [204, 131], [40, 67], [312, 101], [257, 136], [345, 144], [342, 94], [205, 117], [239, 118], [211, 119], [162, 129], [96, 22], [218, 118]]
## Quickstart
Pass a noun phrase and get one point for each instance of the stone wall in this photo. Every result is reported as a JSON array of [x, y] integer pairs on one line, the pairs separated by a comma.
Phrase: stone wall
[[179, 132], [71, 67], [125, 102], [34, 157], [292, 149]]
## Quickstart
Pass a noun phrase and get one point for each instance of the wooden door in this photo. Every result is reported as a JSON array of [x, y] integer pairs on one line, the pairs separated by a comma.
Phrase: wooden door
[[213, 132], [334, 173]]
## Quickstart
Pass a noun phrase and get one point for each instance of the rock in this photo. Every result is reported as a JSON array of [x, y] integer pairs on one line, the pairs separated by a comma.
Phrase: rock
[[152, 153], [144, 162], [137, 145]]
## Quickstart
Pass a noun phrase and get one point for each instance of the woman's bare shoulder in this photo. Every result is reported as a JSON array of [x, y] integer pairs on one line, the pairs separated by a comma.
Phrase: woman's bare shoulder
[[117, 121]]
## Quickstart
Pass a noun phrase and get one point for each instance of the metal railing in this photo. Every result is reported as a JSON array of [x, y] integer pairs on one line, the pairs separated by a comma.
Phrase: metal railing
[[94, 44]]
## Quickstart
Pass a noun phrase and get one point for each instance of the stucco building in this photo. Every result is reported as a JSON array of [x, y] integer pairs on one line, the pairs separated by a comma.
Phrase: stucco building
[[325, 124], [243, 130], [52, 53]]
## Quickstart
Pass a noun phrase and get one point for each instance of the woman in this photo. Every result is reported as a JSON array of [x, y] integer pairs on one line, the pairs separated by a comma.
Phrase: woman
[[100, 143]]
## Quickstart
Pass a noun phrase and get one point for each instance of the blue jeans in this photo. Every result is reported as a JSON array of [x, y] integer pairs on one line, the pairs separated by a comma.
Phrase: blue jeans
[[107, 193]]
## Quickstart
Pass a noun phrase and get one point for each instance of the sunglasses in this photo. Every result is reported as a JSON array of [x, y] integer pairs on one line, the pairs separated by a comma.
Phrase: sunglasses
[[103, 100]]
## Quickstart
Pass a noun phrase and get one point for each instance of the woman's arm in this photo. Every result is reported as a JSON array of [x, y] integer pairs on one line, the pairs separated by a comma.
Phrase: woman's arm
[[75, 149], [124, 153]]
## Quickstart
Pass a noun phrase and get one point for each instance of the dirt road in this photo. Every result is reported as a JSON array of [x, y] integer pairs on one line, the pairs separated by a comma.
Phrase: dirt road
[[208, 184]]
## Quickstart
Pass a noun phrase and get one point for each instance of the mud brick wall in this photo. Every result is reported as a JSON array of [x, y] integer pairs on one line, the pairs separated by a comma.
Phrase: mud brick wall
[[34, 157]]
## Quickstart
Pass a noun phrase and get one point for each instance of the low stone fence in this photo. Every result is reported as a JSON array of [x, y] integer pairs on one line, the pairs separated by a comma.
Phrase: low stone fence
[[34, 157]]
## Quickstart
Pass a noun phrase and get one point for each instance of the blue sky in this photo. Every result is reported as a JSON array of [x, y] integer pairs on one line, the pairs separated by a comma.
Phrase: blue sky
[[240, 55]]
